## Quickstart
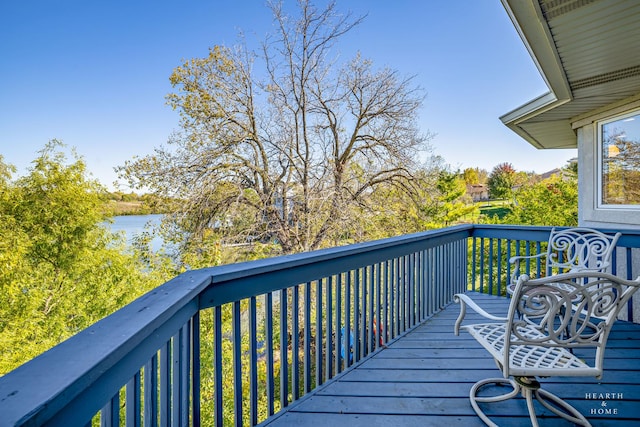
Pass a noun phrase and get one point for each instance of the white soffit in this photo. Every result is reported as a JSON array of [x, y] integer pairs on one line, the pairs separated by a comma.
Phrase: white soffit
[[588, 52]]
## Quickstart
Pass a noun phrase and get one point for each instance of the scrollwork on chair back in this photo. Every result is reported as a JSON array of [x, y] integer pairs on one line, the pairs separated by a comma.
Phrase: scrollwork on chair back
[[568, 310], [580, 248]]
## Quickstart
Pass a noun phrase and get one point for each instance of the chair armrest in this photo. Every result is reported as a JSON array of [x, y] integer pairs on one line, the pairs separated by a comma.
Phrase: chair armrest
[[518, 258], [515, 261], [465, 301]]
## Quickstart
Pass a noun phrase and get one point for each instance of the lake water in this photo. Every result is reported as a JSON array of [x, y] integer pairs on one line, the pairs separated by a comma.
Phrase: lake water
[[133, 225]]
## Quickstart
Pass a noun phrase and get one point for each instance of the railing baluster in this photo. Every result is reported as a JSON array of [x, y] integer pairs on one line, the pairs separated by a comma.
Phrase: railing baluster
[[369, 270], [447, 259], [499, 267], [474, 257], [630, 276], [398, 296], [508, 264], [464, 250], [358, 325], [307, 337], [436, 278], [392, 281], [132, 399], [150, 393], [237, 364], [295, 345], [284, 362], [268, 302], [338, 325], [386, 301], [403, 300], [329, 320], [422, 273], [426, 282], [195, 377], [490, 267], [458, 266], [527, 252], [217, 364], [185, 375], [442, 278], [482, 256], [110, 414], [319, 313], [165, 384], [253, 361], [348, 335], [380, 323], [412, 290], [176, 380]]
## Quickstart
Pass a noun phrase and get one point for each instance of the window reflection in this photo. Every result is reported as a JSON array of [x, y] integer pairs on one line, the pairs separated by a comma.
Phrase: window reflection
[[621, 161]]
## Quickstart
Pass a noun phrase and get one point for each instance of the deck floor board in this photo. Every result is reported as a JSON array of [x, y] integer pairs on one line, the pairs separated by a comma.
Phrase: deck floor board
[[424, 378]]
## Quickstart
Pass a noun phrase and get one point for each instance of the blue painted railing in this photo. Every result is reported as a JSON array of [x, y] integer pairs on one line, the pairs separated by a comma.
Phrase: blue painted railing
[[235, 344]]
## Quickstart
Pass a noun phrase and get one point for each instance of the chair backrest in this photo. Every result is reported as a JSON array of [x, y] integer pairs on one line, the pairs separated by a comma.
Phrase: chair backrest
[[570, 310], [575, 249]]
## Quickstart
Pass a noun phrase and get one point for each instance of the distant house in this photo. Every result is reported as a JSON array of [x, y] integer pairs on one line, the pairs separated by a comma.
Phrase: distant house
[[478, 192], [549, 174]]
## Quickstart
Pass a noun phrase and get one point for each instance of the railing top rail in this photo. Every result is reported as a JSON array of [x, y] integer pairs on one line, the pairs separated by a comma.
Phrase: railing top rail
[[242, 280], [629, 238]]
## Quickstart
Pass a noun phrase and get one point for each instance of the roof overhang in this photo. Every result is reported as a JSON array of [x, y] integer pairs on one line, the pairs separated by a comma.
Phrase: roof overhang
[[588, 53]]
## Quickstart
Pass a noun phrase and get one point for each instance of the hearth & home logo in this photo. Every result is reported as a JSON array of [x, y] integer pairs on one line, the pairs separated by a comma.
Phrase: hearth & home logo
[[607, 405]]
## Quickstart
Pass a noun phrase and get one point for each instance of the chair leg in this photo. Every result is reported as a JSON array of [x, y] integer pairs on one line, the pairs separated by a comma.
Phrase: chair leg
[[529, 388], [567, 411], [475, 399]]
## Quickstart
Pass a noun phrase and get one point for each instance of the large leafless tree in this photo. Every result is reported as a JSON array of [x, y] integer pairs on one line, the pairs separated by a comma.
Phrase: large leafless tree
[[281, 144]]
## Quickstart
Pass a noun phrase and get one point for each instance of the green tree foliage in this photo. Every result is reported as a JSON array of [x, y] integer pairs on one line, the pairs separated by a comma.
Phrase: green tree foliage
[[289, 155], [475, 176], [501, 181], [553, 201], [440, 200], [389, 211], [470, 176], [451, 202], [60, 270]]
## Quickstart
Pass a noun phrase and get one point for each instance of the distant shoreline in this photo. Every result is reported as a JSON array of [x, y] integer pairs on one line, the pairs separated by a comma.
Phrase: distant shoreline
[[133, 204], [119, 208]]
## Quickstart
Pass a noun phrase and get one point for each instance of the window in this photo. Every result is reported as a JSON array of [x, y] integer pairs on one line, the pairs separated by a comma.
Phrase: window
[[619, 162]]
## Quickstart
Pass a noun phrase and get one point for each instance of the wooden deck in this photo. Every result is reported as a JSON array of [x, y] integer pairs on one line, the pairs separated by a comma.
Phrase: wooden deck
[[423, 379]]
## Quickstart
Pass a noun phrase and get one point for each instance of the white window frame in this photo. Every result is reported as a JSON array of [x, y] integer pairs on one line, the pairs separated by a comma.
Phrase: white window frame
[[600, 160]]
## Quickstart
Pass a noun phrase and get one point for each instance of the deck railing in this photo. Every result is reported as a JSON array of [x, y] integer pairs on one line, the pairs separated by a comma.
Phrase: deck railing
[[234, 344]]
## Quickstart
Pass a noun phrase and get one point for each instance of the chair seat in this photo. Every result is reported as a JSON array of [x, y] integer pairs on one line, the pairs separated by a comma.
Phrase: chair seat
[[527, 359]]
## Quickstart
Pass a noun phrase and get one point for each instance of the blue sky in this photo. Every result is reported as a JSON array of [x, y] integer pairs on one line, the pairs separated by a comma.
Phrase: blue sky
[[94, 74]]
